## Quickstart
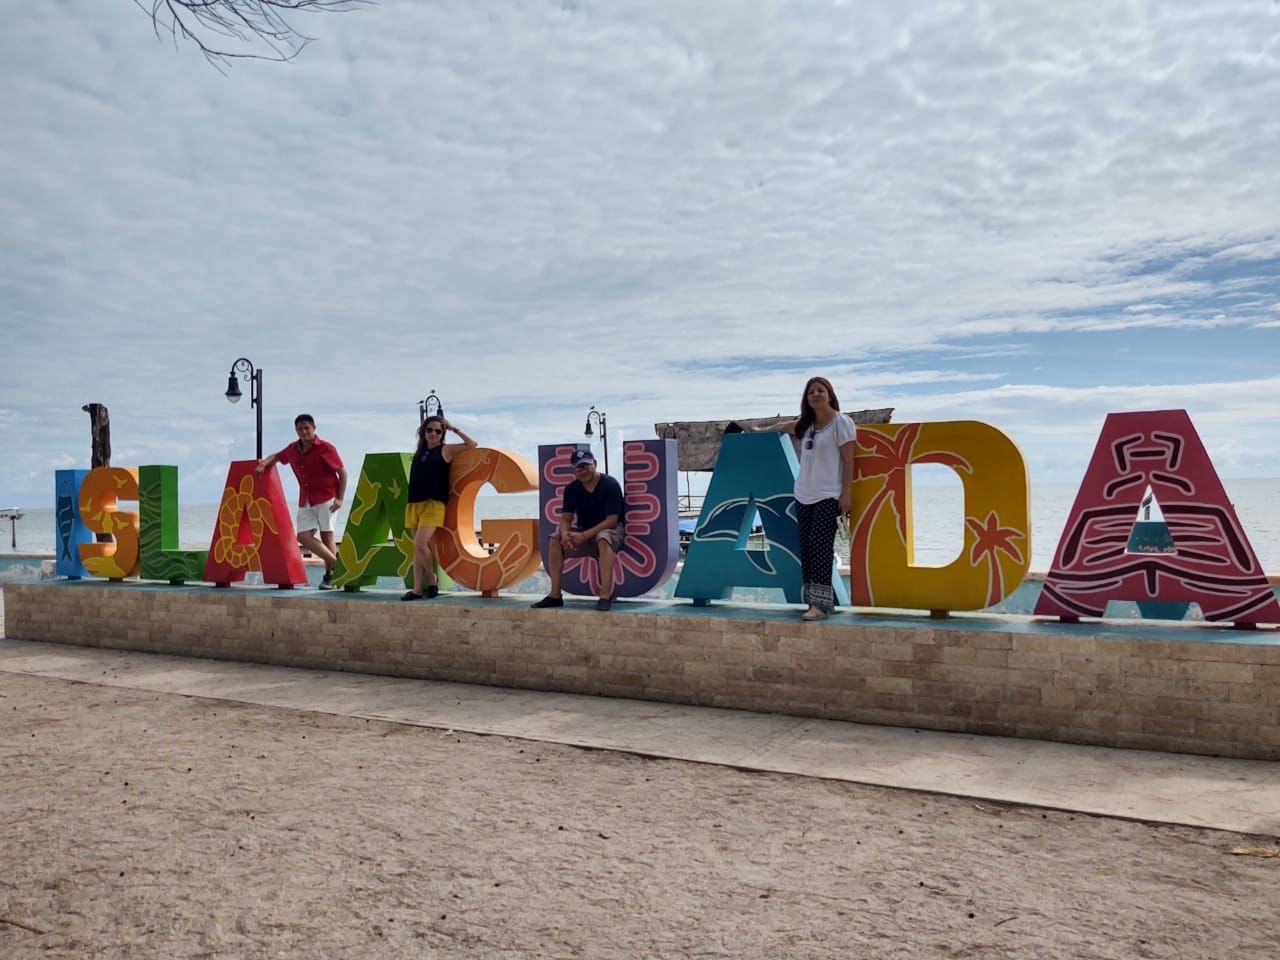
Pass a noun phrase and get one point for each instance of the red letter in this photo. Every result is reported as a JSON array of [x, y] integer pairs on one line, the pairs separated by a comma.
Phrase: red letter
[[254, 531], [1214, 564]]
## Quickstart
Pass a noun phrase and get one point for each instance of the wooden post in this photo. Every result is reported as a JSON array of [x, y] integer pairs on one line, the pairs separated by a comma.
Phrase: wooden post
[[100, 439], [100, 433]]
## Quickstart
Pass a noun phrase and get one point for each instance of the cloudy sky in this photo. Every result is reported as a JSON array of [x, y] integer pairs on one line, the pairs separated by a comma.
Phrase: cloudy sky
[[1021, 212]]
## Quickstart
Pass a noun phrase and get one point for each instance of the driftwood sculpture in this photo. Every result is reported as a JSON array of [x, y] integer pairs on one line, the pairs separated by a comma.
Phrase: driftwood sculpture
[[100, 440], [698, 441], [100, 433]]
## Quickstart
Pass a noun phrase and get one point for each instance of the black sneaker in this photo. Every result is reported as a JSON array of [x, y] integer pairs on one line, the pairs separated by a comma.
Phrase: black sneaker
[[326, 582], [410, 595], [604, 604], [433, 591], [546, 602]]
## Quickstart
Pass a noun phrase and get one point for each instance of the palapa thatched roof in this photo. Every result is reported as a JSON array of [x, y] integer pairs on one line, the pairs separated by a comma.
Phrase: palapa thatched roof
[[698, 441]]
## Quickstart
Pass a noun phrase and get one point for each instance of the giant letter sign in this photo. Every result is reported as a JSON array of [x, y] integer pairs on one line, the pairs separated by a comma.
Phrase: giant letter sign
[[459, 552], [649, 553], [1214, 564], [378, 512], [70, 525], [254, 531], [755, 473], [652, 549], [161, 558], [98, 496], [996, 546]]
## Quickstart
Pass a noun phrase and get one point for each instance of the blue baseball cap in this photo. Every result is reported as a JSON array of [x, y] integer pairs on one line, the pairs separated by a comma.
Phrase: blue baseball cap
[[581, 456]]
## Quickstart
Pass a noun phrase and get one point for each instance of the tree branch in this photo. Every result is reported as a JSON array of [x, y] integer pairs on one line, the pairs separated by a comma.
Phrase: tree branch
[[214, 26]]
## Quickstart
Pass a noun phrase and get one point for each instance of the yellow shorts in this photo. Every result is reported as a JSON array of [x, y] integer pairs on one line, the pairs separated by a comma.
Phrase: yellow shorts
[[424, 513]]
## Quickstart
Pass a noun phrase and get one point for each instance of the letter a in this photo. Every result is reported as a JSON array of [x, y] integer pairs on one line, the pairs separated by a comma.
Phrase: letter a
[[1214, 565], [254, 531], [755, 474]]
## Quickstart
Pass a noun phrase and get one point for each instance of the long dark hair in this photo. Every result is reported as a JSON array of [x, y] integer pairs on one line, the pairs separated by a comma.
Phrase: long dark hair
[[806, 411], [422, 433]]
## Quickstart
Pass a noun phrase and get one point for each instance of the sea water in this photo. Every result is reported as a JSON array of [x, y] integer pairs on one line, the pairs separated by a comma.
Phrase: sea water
[[938, 521]]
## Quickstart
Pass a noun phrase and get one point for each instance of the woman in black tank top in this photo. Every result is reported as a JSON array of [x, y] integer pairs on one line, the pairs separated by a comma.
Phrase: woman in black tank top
[[428, 494]]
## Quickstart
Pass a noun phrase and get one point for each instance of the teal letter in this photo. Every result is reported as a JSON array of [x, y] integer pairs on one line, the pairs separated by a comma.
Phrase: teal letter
[[755, 474]]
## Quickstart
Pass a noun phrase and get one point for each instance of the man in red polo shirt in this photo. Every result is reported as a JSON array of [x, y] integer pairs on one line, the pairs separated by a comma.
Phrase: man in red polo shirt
[[322, 485]]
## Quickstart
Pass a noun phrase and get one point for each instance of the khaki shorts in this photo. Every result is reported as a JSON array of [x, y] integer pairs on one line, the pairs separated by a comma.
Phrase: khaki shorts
[[614, 536], [423, 513]]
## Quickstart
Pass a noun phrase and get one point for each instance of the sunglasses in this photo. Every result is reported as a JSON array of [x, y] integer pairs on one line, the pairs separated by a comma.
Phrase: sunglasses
[[433, 430], [587, 465]]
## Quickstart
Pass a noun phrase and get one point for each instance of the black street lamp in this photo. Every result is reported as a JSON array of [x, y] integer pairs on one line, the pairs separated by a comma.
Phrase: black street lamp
[[604, 432], [253, 377], [13, 515], [424, 407]]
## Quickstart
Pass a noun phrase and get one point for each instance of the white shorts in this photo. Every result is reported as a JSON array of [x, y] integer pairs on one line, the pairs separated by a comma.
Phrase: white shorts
[[316, 517]]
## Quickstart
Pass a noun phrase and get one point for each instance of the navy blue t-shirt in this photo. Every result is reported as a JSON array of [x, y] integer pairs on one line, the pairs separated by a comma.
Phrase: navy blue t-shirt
[[590, 507]]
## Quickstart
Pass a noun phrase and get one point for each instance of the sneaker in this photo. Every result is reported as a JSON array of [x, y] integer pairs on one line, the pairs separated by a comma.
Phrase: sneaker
[[326, 582], [412, 596], [433, 591], [603, 604], [546, 602]]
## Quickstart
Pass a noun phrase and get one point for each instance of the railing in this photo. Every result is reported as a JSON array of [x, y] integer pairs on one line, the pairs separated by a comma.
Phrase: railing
[[689, 504]]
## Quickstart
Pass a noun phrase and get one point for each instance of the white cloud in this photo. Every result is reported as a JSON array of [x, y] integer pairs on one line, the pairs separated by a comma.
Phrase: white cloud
[[537, 207]]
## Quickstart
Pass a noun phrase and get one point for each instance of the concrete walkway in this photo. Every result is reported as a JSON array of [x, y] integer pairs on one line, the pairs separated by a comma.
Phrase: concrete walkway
[[1238, 795]]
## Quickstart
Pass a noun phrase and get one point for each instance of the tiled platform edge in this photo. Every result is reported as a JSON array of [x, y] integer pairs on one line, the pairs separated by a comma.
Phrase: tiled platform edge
[[1188, 690]]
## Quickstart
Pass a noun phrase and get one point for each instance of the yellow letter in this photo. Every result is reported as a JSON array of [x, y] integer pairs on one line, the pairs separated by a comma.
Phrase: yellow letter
[[996, 551]]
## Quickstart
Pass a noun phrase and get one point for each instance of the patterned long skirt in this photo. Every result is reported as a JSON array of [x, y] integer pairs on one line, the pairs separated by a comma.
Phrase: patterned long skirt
[[817, 547]]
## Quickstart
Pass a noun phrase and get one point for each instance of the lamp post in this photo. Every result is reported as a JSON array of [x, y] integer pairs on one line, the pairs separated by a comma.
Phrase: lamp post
[[13, 515], [253, 377], [424, 406], [599, 417]]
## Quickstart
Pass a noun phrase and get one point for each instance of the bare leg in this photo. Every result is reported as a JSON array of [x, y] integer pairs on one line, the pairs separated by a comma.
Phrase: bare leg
[[605, 553], [311, 542], [326, 537], [424, 558], [555, 566]]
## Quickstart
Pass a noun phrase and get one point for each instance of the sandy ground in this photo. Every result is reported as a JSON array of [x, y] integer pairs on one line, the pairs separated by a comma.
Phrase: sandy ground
[[135, 824]]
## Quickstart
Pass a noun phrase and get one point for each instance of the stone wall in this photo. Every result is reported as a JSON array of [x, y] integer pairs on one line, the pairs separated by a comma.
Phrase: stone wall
[[1191, 689]]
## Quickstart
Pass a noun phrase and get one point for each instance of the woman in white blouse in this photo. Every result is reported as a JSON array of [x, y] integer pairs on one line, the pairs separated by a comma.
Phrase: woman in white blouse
[[823, 490]]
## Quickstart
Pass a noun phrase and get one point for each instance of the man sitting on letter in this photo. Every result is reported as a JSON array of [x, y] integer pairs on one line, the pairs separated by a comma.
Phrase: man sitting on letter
[[594, 500]]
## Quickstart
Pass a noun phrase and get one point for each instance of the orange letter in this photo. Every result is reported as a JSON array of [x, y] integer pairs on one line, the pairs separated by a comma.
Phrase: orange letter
[[98, 496], [459, 552]]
